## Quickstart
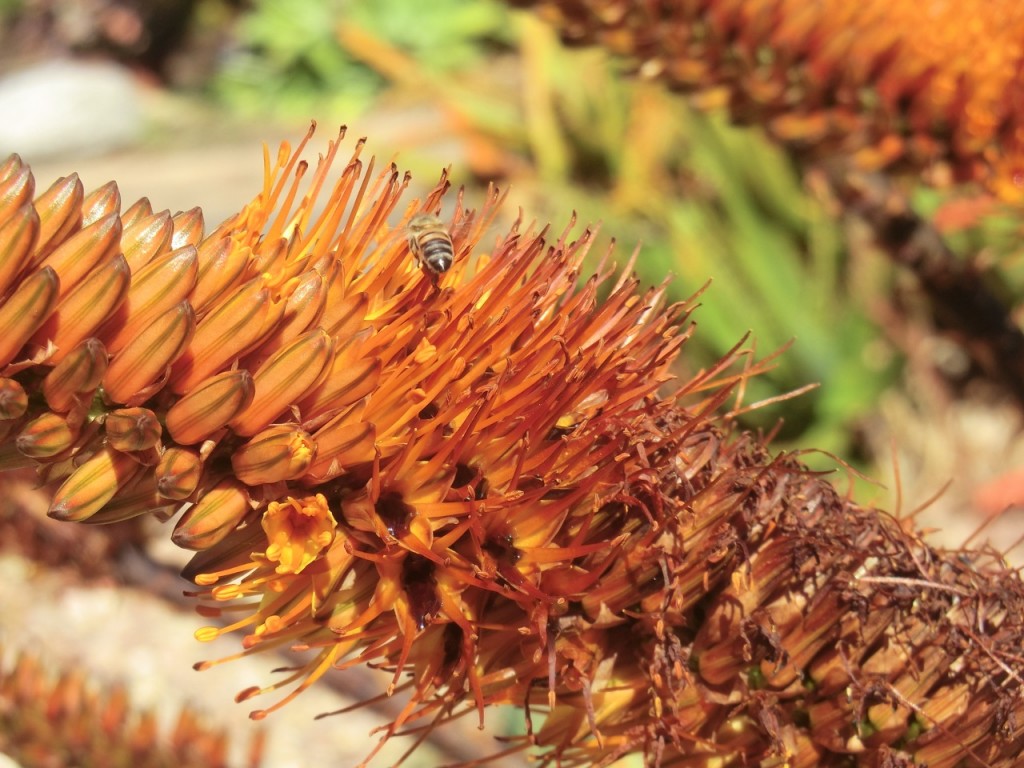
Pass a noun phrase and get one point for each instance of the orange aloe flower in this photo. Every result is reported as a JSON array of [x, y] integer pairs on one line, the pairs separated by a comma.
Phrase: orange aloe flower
[[924, 85], [485, 480]]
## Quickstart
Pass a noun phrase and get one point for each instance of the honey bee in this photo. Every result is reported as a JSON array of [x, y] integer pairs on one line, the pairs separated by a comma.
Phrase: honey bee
[[430, 243]]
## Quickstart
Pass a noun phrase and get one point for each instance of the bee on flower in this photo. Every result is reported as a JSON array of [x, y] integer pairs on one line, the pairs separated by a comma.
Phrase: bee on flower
[[431, 244]]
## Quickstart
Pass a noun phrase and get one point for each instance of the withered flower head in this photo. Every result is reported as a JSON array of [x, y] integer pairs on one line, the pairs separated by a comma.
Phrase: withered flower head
[[481, 479], [889, 82]]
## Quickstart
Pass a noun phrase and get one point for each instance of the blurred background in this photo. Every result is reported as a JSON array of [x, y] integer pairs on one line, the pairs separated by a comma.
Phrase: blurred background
[[174, 99]]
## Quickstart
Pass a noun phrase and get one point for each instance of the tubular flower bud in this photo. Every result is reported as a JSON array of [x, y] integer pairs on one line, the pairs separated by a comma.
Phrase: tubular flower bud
[[145, 238], [26, 310], [213, 517], [222, 335], [88, 248], [221, 269], [275, 454], [78, 374], [210, 406], [60, 214], [13, 400], [178, 473], [307, 296], [82, 311], [187, 228], [46, 436], [140, 368], [138, 497], [92, 485], [284, 379], [101, 202], [137, 211], [132, 429], [160, 285], [17, 185], [17, 238]]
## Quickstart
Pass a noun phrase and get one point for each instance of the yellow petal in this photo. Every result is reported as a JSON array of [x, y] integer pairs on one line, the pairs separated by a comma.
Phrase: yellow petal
[[284, 379], [80, 372], [27, 309], [166, 281], [92, 485], [222, 336], [143, 364], [214, 516], [132, 429], [147, 238], [84, 251], [80, 313], [276, 454], [210, 406], [46, 436], [298, 530], [60, 214], [178, 473], [17, 238]]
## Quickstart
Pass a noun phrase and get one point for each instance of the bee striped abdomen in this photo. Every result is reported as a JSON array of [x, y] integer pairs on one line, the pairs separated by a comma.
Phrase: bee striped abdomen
[[430, 243], [438, 253]]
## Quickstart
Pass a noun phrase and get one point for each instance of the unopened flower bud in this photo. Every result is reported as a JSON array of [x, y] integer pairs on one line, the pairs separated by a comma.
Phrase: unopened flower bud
[[275, 454], [210, 406], [13, 400], [216, 515], [45, 436], [81, 371], [132, 429], [92, 485], [178, 473]]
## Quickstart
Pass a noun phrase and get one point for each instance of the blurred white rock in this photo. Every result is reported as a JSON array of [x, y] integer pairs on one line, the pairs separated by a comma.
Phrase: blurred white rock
[[68, 108]]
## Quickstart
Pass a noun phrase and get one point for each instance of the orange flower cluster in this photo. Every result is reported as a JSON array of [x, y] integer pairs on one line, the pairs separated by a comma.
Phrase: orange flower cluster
[[890, 82], [474, 480]]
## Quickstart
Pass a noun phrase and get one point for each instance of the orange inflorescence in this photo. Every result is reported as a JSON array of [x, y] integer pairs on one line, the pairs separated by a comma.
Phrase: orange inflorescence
[[924, 84], [483, 481]]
